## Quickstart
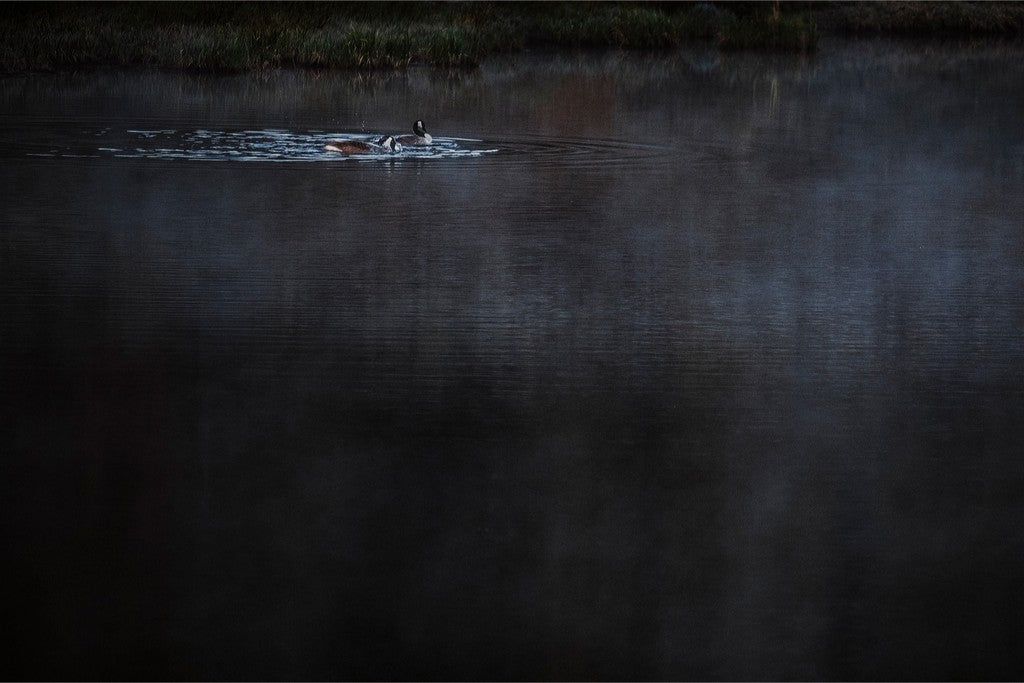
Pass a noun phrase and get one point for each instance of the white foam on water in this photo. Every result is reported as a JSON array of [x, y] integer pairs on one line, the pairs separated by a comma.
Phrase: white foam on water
[[279, 145]]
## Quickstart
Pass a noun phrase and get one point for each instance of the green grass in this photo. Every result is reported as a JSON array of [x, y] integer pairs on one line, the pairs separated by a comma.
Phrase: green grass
[[255, 35]]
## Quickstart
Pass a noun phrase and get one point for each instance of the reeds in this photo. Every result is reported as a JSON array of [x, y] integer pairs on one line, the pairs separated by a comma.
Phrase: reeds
[[245, 36]]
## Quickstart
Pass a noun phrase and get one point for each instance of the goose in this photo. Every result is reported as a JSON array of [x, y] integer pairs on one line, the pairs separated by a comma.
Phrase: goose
[[384, 145], [421, 137]]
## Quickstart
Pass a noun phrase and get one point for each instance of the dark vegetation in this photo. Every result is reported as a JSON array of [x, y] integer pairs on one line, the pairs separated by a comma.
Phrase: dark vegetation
[[242, 36], [926, 19], [369, 35]]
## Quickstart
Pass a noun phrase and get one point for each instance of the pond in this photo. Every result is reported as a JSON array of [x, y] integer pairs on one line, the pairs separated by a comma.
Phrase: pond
[[668, 366]]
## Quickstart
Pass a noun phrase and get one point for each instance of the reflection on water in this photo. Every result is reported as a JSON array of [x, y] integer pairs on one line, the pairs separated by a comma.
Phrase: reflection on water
[[711, 370]]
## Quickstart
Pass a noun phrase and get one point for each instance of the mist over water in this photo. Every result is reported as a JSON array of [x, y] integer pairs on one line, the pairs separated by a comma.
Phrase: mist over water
[[680, 366]]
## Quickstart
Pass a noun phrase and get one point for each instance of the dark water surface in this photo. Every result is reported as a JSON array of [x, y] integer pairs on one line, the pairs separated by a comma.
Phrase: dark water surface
[[678, 366]]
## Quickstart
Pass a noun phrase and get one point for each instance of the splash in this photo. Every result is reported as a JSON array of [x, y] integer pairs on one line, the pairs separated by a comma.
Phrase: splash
[[274, 145]]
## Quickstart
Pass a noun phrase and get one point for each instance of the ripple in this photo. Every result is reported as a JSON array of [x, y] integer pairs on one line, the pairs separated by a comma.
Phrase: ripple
[[579, 151], [276, 145], [280, 145]]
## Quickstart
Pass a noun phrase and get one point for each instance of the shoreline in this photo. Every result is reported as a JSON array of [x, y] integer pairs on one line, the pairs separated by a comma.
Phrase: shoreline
[[239, 37]]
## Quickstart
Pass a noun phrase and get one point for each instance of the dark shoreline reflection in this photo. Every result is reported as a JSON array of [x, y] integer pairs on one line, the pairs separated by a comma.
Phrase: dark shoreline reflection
[[745, 408]]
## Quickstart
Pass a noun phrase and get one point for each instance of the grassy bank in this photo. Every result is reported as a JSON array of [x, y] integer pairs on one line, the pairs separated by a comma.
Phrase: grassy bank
[[254, 35], [244, 36]]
